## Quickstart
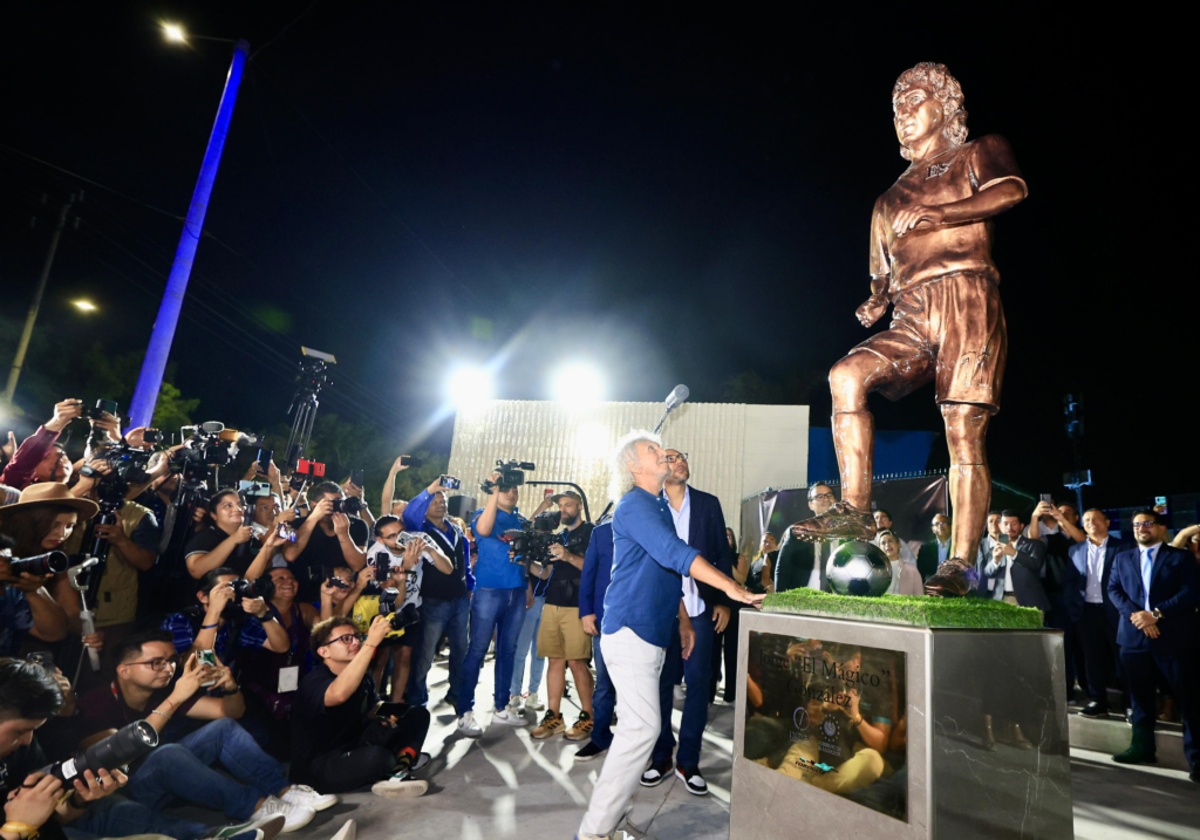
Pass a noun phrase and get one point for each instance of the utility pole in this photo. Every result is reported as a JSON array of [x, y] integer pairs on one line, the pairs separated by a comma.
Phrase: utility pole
[[15, 373]]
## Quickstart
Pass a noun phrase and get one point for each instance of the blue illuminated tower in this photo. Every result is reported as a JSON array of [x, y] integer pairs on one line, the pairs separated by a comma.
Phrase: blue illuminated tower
[[150, 379]]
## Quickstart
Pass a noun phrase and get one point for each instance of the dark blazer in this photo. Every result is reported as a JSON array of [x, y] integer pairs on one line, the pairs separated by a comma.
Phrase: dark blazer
[[1027, 573], [1079, 555], [706, 534], [927, 559], [1174, 590]]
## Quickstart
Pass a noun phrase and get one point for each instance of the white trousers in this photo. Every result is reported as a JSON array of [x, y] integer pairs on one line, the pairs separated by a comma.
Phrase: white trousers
[[634, 666]]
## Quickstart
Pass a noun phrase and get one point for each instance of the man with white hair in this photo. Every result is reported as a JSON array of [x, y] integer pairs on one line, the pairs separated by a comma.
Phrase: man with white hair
[[649, 562]]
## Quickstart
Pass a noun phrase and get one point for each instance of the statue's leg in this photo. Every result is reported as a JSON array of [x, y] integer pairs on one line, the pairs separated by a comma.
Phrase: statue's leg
[[850, 381], [970, 477]]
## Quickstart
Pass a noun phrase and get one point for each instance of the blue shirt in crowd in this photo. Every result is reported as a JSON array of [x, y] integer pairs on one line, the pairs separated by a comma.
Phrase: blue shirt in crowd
[[649, 562], [597, 572], [252, 635], [16, 619], [493, 569]]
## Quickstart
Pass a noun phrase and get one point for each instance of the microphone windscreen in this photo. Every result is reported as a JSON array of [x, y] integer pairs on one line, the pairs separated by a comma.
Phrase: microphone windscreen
[[678, 396]]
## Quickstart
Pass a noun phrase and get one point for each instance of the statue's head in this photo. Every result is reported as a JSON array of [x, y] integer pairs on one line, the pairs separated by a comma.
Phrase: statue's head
[[927, 99]]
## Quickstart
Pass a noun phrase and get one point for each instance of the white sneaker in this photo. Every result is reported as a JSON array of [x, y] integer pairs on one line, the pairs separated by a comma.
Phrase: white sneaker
[[348, 831], [400, 788], [304, 795], [267, 829], [532, 704], [507, 717], [295, 817], [468, 727], [514, 703]]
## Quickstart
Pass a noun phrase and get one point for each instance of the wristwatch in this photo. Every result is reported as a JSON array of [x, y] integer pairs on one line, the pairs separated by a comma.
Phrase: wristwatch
[[1157, 613]]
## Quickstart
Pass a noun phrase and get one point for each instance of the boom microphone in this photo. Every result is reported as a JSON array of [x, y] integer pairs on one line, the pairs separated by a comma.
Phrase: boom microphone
[[676, 398]]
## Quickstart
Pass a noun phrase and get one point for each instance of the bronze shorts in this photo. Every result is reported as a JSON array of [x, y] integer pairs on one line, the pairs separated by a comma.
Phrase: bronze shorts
[[949, 330], [561, 635]]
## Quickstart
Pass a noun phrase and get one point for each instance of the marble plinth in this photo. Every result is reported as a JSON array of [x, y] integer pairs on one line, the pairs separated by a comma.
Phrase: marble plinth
[[942, 781]]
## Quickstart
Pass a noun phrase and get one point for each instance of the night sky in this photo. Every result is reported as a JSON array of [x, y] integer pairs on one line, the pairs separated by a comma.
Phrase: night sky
[[676, 197]]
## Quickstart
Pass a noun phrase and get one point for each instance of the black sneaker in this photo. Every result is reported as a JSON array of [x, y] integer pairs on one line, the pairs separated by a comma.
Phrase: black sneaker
[[694, 781], [1094, 710], [589, 751], [656, 773]]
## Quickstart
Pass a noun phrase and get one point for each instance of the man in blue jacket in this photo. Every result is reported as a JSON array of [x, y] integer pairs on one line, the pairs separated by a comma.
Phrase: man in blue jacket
[[1156, 588], [703, 613], [643, 598], [597, 570]]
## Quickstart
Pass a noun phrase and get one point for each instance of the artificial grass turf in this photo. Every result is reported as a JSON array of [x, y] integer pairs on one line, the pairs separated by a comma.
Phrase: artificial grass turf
[[916, 611]]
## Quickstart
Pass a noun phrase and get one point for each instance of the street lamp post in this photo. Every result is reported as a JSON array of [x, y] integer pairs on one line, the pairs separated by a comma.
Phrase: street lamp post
[[23, 347], [145, 396]]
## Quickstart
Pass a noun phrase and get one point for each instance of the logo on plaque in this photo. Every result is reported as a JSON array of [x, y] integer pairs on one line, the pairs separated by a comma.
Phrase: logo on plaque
[[832, 716]]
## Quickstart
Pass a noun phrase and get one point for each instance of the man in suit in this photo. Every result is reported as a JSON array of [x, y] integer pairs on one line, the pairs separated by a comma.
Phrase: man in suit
[[1016, 564], [802, 564], [1097, 628], [700, 523], [937, 551], [1156, 589]]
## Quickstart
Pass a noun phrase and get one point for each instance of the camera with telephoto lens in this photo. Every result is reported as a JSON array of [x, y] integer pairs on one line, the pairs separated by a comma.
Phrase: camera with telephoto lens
[[262, 587], [50, 563], [400, 616], [531, 542], [511, 475], [211, 444], [124, 746]]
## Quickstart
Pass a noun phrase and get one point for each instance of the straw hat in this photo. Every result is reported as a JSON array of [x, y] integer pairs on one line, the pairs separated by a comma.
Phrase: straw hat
[[51, 493]]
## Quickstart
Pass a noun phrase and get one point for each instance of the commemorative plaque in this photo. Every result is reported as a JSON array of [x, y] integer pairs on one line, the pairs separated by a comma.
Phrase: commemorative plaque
[[830, 715]]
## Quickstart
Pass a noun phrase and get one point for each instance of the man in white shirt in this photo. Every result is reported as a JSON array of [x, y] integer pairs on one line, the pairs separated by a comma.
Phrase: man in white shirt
[[1097, 629], [699, 523]]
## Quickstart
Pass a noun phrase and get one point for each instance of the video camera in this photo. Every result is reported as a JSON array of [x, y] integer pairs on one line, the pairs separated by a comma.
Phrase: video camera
[[127, 744], [102, 407], [211, 444], [531, 543], [511, 475], [399, 618]]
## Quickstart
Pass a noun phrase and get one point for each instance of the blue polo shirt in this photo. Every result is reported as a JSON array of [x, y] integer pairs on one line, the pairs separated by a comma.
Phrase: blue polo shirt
[[649, 562], [493, 569]]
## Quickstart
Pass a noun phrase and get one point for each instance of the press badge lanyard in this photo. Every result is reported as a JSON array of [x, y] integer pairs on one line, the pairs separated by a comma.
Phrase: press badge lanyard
[[289, 675]]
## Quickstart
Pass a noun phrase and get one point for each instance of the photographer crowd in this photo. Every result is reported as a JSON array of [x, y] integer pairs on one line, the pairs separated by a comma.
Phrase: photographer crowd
[[280, 630]]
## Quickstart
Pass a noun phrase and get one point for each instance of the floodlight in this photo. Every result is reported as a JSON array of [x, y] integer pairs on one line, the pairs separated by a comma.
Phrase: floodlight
[[578, 383], [174, 33], [470, 386], [85, 305]]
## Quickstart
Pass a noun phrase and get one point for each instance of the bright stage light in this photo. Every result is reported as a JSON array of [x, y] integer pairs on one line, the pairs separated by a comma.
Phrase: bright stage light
[[578, 383], [174, 33], [85, 305], [470, 386]]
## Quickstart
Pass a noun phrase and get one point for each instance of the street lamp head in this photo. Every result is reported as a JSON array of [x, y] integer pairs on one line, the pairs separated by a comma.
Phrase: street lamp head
[[85, 305], [174, 33]]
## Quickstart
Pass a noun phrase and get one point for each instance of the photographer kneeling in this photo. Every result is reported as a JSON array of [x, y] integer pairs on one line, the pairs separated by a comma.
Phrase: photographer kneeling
[[143, 690], [334, 745]]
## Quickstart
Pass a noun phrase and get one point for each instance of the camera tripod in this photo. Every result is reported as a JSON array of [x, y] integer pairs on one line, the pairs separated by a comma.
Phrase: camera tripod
[[313, 375]]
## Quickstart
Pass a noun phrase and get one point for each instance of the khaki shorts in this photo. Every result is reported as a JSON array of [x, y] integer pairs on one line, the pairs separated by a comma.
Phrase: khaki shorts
[[950, 331], [561, 635]]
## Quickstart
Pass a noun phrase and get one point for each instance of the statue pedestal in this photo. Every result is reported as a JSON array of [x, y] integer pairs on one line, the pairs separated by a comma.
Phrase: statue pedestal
[[803, 767]]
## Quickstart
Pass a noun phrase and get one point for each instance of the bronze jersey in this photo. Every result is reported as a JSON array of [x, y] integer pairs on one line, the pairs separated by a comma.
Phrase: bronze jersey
[[928, 253]]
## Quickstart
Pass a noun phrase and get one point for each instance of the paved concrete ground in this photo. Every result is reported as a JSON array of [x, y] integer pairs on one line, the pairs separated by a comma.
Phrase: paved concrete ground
[[507, 785]]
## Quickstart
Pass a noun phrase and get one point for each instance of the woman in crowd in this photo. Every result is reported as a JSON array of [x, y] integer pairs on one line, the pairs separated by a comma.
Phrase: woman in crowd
[[906, 580], [41, 521], [271, 678], [228, 542], [760, 575]]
